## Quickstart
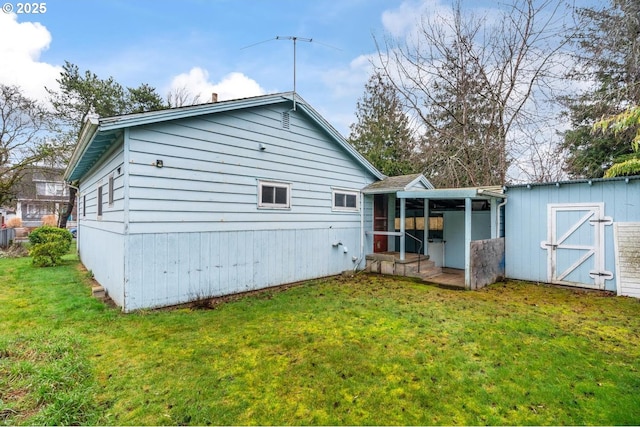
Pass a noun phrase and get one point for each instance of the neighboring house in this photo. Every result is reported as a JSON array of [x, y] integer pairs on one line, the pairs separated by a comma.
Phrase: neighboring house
[[215, 199], [41, 192], [583, 233]]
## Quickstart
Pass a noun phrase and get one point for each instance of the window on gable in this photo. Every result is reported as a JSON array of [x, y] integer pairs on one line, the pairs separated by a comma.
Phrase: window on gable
[[274, 195], [344, 200]]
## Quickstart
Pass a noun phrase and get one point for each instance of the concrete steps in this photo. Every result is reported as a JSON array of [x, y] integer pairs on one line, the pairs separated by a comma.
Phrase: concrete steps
[[98, 292], [414, 265]]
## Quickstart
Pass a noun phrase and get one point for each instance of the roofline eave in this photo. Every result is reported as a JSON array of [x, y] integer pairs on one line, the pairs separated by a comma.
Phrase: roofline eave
[[87, 134]]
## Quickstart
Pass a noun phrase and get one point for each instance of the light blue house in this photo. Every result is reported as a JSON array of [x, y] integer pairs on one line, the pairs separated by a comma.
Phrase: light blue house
[[583, 233], [215, 199]]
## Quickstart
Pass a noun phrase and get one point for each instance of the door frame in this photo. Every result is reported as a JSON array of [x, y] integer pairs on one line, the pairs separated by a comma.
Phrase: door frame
[[594, 215]]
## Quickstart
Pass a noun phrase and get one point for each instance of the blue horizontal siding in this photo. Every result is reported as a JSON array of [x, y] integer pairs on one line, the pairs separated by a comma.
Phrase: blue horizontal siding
[[212, 166]]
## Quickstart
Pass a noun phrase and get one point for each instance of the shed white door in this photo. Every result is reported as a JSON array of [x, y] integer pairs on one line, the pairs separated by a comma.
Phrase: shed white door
[[575, 244]]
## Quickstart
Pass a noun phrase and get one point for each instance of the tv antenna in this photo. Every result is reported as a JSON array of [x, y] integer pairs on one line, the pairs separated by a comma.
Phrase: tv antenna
[[295, 40]]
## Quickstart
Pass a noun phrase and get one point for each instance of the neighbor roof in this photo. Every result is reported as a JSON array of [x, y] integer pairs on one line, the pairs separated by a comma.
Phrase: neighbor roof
[[99, 134]]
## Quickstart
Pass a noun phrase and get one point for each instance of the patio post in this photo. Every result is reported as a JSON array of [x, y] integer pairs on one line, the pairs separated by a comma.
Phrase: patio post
[[494, 218], [403, 207], [467, 242], [425, 244]]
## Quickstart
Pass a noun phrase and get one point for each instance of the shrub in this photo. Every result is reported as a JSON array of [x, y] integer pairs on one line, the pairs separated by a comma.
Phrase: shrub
[[48, 245], [14, 222]]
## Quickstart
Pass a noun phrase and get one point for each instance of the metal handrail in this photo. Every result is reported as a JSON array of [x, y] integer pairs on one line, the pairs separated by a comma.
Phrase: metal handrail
[[419, 249]]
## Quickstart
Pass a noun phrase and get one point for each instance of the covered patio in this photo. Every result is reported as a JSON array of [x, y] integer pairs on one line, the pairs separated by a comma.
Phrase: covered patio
[[458, 229]]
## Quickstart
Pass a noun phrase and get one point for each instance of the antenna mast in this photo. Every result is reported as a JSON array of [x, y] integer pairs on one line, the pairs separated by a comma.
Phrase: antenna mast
[[294, 39]]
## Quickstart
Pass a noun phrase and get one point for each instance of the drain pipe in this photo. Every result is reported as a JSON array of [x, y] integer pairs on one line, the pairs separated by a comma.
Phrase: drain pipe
[[499, 223]]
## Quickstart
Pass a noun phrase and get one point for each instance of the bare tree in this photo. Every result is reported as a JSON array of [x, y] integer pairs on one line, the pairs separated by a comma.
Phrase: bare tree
[[181, 97], [22, 123], [472, 81]]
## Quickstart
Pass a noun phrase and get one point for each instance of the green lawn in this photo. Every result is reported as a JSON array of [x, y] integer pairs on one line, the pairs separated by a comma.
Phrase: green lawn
[[367, 350]]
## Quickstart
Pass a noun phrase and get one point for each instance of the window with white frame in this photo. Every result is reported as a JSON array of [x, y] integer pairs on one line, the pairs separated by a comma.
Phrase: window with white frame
[[345, 200], [274, 195]]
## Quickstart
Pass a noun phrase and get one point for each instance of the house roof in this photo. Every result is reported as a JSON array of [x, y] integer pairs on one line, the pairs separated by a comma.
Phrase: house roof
[[98, 135], [393, 184]]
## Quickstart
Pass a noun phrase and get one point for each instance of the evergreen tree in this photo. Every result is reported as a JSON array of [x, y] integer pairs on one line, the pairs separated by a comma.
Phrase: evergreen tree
[[382, 133], [85, 94], [612, 65]]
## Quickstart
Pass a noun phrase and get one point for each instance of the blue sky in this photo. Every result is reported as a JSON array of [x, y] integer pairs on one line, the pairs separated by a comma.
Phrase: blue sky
[[202, 45]]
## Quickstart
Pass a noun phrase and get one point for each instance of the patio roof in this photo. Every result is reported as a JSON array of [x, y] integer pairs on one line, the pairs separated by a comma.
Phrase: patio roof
[[393, 184], [475, 193]]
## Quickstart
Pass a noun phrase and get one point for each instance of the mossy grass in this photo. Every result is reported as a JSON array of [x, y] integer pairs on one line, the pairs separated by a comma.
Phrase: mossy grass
[[368, 350]]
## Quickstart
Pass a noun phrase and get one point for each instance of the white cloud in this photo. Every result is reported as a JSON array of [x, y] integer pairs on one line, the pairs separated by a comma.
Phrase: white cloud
[[21, 44], [405, 19], [232, 86]]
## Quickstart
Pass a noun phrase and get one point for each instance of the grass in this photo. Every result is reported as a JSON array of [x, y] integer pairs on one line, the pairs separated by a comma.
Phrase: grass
[[369, 350]]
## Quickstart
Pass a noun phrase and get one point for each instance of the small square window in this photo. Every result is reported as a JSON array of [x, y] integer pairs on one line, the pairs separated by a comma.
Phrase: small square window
[[344, 200], [274, 195]]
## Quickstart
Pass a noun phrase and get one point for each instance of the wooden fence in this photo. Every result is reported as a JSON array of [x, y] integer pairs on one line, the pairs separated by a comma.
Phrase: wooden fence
[[7, 235]]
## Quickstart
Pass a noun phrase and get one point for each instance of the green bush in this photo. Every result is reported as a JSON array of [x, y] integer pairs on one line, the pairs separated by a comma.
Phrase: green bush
[[48, 245]]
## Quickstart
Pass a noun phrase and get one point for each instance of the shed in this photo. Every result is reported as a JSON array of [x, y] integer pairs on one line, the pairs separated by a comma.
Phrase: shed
[[216, 199], [563, 233]]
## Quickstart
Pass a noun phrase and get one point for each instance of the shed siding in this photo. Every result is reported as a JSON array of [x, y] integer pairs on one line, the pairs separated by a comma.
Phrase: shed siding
[[173, 268], [526, 221], [212, 165]]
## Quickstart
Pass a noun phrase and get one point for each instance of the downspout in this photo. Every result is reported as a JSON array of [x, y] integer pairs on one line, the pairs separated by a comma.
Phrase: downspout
[[499, 223]]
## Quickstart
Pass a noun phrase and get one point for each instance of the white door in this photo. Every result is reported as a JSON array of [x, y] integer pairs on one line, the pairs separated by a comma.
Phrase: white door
[[575, 244]]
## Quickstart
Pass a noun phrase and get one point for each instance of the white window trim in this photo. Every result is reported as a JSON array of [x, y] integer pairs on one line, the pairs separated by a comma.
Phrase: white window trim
[[286, 185], [349, 192]]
